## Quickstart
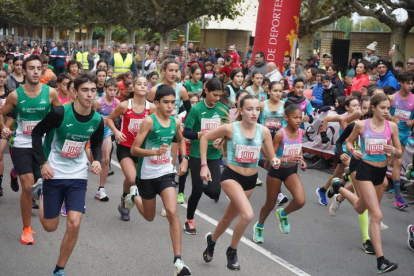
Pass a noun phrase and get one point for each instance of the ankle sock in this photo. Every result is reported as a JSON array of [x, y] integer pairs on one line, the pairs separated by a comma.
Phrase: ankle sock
[[283, 213], [380, 260], [124, 195], [397, 187], [176, 257], [323, 190], [259, 225], [100, 187], [57, 268]]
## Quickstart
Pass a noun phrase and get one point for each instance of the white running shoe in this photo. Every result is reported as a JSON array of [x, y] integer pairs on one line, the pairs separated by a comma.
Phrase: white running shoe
[[101, 195], [383, 226], [133, 191], [334, 205], [163, 212], [259, 182], [281, 199], [181, 269]]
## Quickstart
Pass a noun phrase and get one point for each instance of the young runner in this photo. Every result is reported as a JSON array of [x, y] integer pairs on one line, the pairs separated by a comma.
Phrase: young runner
[[376, 135], [3, 142], [155, 169], [204, 117], [236, 76], [16, 78], [288, 147], [194, 84], [72, 68], [132, 113], [61, 85], [100, 85], [303, 103], [244, 142], [105, 106], [38, 99], [64, 163], [255, 86]]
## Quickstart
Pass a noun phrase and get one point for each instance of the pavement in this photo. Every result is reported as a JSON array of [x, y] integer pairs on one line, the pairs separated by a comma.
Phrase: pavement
[[317, 245]]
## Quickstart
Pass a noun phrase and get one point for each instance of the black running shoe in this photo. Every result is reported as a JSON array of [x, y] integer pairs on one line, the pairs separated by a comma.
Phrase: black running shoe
[[410, 237], [14, 183], [368, 247], [232, 261], [1, 192], [386, 266], [110, 172], [208, 253]]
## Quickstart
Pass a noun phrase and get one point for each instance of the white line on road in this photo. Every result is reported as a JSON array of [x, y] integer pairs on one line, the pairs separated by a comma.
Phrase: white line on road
[[247, 242]]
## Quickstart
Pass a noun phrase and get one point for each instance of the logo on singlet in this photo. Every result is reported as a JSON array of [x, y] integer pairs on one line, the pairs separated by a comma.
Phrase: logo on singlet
[[91, 129], [69, 125], [43, 101], [23, 101]]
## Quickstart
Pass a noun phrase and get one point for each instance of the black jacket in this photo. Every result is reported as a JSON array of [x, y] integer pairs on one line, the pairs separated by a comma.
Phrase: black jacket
[[329, 95]]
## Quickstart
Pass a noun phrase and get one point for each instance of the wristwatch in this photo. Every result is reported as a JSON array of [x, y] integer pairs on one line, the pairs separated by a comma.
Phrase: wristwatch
[[185, 156]]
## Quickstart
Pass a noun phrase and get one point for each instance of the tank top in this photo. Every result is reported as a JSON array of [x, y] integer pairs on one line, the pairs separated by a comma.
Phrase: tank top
[[232, 96], [403, 110], [29, 112], [289, 147], [67, 147], [131, 122], [178, 101], [63, 100], [47, 77], [105, 110], [262, 96], [244, 152], [372, 143], [272, 119], [151, 167]]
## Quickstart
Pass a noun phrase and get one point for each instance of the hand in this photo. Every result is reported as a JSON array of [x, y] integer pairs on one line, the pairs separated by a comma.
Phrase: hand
[[389, 149], [410, 123], [276, 163], [305, 119], [202, 133], [5, 133], [216, 143], [303, 165], [391, 53], [205, 173], [357, 154], [312, 98], [162, 150], [344, 157], [47, 171], [96, 167], [348, 80], [120, 137], [294, 159], [182, 169]]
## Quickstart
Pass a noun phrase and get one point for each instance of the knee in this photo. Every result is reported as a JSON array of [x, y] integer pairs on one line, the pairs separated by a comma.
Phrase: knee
[[149, 218], [50, 227], [104, 161], [73, 225], [247, 216], [300, 202], [171, 212], [376, 216], [397, 162]]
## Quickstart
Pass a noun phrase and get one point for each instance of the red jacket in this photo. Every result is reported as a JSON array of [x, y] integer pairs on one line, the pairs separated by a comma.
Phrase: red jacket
[[357, 83], [200, 64], [235, 56]]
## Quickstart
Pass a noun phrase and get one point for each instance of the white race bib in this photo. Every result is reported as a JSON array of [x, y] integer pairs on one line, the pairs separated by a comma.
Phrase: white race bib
[[273, 123], [375, 146], [402, 115], [134, 125], [72, 149], [292, 150], [209, 124], [247, 154], [161, 159], [28, 126]]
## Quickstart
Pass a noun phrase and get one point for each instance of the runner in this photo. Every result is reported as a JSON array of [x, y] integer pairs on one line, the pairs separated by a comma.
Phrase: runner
[[3, 142], [255, 86], [61, 85], [204, 117], [105, 106], [47, 74], [132, 113], [100, 85], [155, 170], [236, 76], [376, 135], [244, 142], [288, 146], [72, 68], [303, 103], [402, 107], [39, 99], [65, 165], [16, 78], [194, 84]]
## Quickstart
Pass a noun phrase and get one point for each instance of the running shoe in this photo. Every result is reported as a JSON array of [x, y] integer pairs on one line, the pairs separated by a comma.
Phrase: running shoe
[[14, 183], [181, 269], [322, 197], [1, 192], [180, 198], [127, 202], [284, 225], [386, 266], [123, 210], [27, 236], [409, 172], [334, 205], [208, 253], [189, 227], [34, 204], [163, 212], [281, 199], [63, 211], [346, 175], [110, 172], [368, 247], [335, 185], [330, 192], [36, 189], [232, 261], [61, 272], [383, 226], [222, 164], [258, 234], [101, 195], [410, 231], [400, 203], [259, 182]]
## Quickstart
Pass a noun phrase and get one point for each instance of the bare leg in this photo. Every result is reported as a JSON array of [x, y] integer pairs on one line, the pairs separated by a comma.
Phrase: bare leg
[[169, 199], [71, 237], [273, 188], [106, 151], [27, 181], [295, 187]]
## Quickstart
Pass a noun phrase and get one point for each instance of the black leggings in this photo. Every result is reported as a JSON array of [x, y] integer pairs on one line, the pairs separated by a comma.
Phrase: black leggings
[[213, 188], [181, 179]]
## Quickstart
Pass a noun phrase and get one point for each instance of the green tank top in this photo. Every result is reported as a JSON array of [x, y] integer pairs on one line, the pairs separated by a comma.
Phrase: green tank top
[[151, 167], [272, 119]]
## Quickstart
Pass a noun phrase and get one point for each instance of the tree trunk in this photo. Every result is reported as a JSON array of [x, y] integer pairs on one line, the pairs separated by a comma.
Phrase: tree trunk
[[89, 35], [72, 36], [44, 30], [306, 46], [131, 34], [108, 34], [56, 34], [399, 38], [165, 41]]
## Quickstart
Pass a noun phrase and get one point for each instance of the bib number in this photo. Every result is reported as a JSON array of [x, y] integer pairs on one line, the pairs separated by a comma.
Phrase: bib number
[[273, 123], [402, 115], [375, 146], [72, 149], [161, 159], [209, 124], [292, 150], [134, 125], [28, 127], [247, 154]]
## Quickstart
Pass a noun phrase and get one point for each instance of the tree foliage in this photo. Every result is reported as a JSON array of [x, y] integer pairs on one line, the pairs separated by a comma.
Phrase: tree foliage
[[370, 24]]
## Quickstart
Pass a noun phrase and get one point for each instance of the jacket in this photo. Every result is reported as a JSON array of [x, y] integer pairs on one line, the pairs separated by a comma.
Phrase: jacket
[[357, 83], [389, 80], [274, 75], [329, 95], [317, 93]]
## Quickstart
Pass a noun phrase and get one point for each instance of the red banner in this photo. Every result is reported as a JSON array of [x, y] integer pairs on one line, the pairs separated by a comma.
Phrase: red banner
[[277, 29]]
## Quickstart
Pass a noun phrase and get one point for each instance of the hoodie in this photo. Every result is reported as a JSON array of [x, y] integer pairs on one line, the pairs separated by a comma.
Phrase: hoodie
[[329, 95], [259, 66]]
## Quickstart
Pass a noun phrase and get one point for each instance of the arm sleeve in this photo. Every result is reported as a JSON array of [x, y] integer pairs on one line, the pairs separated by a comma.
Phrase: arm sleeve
[[348, 130], [189, 134], [96, 142], [187, 105], [52, 120]]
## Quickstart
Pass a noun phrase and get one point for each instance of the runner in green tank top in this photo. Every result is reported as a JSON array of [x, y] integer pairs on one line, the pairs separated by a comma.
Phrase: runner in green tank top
[[31, 101], [65, 162], [155, 175]]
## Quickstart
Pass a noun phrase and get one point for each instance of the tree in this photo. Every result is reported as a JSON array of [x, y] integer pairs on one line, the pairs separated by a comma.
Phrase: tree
[[314, 15], [370, 24], [384, 11]]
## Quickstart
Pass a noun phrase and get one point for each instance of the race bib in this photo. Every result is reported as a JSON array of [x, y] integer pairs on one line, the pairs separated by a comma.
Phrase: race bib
[[28, 126], [209, 124], [292, 150], [402, 115], [134, 125], [72, 149], [273, 123], [375, 146], [247, 154], [161, 159]]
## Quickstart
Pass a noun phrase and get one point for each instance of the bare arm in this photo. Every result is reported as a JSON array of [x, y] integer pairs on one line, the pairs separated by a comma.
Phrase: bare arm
[[151, 94], [118, 111], [352, 138], [329, 119], [53, 97], [350, 118]]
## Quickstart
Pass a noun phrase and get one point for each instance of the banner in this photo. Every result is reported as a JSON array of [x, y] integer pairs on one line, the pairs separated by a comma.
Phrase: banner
[[277, 29]]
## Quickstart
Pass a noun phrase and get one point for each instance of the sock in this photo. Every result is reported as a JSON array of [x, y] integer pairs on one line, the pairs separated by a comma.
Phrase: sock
[[380, 260], [132, 198], [57, 268], [364, 225], [323, 190], [397, 184], [260, 225], [1, 179], [100, 187], [124, 195], [283, 213], [176, 257]]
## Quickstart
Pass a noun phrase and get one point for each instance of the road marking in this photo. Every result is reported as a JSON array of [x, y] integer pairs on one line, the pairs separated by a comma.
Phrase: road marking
[[247, 242]]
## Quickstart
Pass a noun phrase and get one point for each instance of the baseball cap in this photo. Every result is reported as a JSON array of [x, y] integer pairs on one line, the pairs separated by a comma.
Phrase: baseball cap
[[211, 49], [309, 58], [218, 49], [382, 61]]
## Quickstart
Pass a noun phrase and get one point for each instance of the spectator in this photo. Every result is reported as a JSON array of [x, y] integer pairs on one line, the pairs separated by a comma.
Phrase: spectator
[[310, 78], [330, 91], [166, 50], [228, 66], [351, 71], [217, 54], [370, 55], [193, 57], [386, 77], [60, 61], [317, 97], [24, 46], [287, 60], [259, 64], [233, 53], [399, 66], [310, 62], [272, 72], [285, 84], [332, 71], [123, 62], [176, 50], [209, 73], [204, 58], [410, 65], [360, 80], [106, 53]]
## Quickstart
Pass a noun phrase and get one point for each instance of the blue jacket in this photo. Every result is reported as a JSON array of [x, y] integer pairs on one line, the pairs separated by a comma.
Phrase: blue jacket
[[317, 93], [389, 80]]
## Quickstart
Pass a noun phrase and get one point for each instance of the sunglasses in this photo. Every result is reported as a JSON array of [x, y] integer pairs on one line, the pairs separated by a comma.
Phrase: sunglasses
[[410, 63]]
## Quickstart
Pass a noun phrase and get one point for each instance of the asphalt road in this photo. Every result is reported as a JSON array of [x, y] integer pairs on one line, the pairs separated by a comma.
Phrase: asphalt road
[[317, 245]]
